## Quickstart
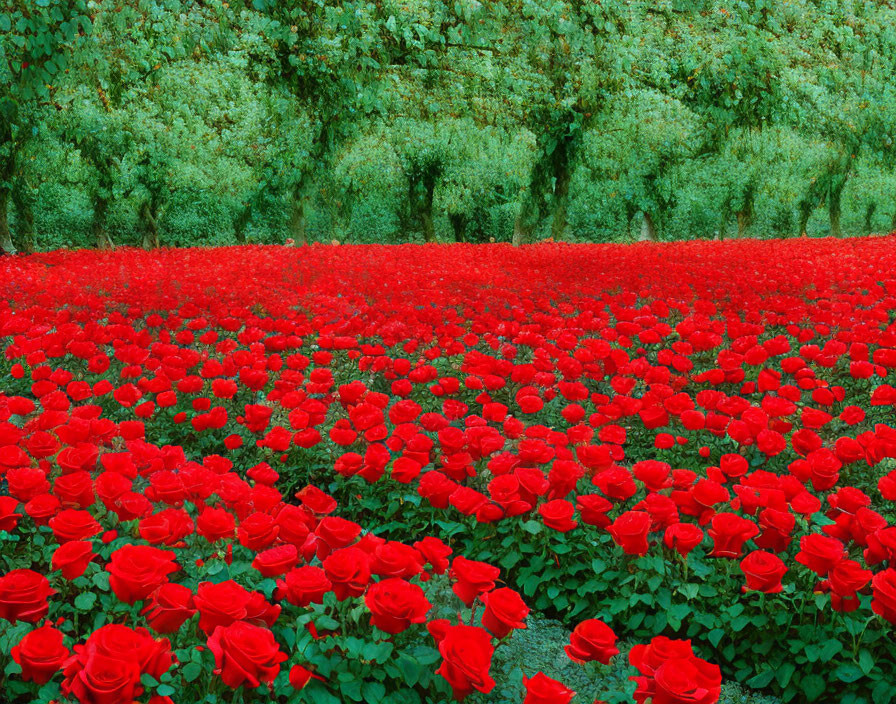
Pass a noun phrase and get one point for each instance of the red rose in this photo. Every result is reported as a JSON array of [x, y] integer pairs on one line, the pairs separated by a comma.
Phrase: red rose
[[277, 561], [9, 519], [557, 514], [168, 607], [541, 689], [466, 657], [394, 559], [337, 532], [593, 509], [220, 604], [435, 552], [592, 640], [763, 572], [245, 655], [672, 674], [505, 610], [75, 490], [472, 578], [348, 569], [883, 589], [846, 578], [258, 531], [136, 571], [40, 654], [215, 524], [395, 604], [820, 553], [299, 676], [304, 585], [630, 530], [74, 524], [23, 596], [72, 558], [729, 533]]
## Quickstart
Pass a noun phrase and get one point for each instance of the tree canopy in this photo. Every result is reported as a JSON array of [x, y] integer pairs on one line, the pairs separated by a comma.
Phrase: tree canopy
[[169, 122]]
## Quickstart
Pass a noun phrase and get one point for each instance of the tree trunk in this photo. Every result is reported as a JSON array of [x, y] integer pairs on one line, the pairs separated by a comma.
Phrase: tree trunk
[[562, 178], [241, 222], [522, 231], [834, 203], [648, 229], [6, 246], [297, 217], [723, 227], [458, 226], [150, 225], [743, 221], [100, 235], [426, 217], [870, 209], [805, 214]]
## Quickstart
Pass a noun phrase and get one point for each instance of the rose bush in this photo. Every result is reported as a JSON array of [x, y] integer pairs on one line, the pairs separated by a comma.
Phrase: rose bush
[[247, 469]]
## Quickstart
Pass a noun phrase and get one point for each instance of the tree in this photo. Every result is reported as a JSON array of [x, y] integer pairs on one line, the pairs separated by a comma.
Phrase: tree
[[36, 40]]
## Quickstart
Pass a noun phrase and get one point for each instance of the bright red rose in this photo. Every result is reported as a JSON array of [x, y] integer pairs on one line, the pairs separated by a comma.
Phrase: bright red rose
[[466, 657], [23, 596], [763, 572], [557, 514], [348, 569], [395, 604], [505, 611], [472, 578], [630, 530], [592, 640], [136, 571], [277, 561], [245, 655], [72, 558], [168, 607], [541, 689], [40, 654], [729, 532], [883, 589], [304, 585], [820, 553]]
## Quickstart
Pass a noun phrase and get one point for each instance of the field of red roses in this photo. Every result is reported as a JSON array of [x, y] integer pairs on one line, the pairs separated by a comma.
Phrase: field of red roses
[[350, 474]]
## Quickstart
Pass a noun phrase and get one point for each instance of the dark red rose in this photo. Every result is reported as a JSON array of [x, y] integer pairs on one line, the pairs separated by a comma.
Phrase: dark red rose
[[40, 654], [136, 571], [672, 674], [557, 514], [216, 524], [9, 519], [395, 604], [74, 524], [592, 640], [394, 559], [435, 552], [245, 655], [299, 676]]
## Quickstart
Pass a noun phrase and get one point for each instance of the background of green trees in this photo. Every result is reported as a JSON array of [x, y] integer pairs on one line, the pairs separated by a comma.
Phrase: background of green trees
[[166, 122]]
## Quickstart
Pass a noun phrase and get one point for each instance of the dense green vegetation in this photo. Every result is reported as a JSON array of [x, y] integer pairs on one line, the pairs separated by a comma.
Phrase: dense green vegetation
[[167, 122]]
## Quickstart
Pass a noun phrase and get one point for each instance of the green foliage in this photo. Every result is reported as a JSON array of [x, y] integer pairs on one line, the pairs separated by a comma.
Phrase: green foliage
[[164, 122]]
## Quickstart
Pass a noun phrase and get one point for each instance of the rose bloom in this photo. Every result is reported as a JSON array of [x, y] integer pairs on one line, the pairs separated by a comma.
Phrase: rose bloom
[[763, 572], [630, 530], [40, 654], [245, 655], [466, 657], [541, 689], [395, 604], [592, 640], [168, 607], [136, 571], [505, 611], [304, 585], [72, 558], [472, 578], [24, 596]]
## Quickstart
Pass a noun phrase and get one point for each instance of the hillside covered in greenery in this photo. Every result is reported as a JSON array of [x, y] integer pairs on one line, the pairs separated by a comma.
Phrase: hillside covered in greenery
[[167, 122]]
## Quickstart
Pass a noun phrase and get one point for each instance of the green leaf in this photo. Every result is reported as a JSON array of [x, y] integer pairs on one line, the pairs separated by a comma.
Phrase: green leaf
[[848, 672], [191, 671], [85, 601], [866, 661], [761, 680], [813, 687]]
